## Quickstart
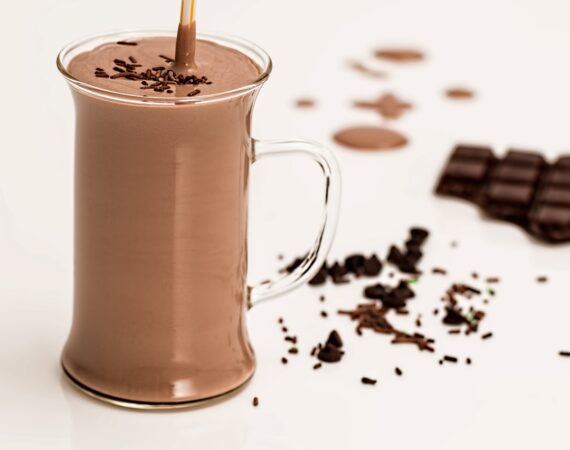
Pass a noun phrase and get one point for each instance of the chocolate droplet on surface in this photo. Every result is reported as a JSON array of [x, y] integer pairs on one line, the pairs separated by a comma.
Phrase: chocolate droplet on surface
[[370, 138], [457, 93], [400, 55]]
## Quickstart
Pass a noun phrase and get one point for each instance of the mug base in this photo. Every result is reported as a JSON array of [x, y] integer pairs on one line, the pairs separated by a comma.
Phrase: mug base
[[148, 406]]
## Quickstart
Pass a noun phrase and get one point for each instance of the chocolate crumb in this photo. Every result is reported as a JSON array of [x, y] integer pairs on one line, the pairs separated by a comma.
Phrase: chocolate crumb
[[280, 320], [398, 371], [492, 280], [451, 359], [317, 366], [293, 350], [369, 381], [439, 271], [284, 360], [487, 336], [194, 93], [127, 43], [468, 360], [322, 298], [255, 401], [542, 279], [324, 314]]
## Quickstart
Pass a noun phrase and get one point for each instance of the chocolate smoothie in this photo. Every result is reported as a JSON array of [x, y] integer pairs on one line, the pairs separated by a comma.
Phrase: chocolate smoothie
[[161, 221]]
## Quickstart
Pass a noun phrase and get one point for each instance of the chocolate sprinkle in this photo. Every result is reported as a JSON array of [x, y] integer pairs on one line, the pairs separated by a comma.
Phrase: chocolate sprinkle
[[398, 371], [564, 353], [255, 402], [451, 359], [487, 336], [369, 381]]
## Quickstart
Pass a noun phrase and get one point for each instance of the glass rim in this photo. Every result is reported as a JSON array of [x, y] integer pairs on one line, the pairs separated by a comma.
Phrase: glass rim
[[246, 47]]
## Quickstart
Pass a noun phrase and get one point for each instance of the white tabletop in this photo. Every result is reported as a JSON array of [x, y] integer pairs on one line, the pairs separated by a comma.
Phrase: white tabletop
[[514, 53]]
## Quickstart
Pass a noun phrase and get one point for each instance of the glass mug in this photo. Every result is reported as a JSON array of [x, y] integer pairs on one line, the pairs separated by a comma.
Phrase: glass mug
[[160, 291]]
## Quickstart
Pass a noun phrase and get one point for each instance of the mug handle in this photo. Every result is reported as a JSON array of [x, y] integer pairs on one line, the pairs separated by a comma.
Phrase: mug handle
[[315, 258]]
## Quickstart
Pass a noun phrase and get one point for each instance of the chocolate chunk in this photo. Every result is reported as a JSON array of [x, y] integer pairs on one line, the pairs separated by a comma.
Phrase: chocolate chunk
[[395, 256], [321, 277], [369, 381], [372, 266], [330, 354], [375, 292], [419, 235], [392, 300], [453, 317], [404, 291], [355, 264], [334, 339], [296, 263], [338, 273]]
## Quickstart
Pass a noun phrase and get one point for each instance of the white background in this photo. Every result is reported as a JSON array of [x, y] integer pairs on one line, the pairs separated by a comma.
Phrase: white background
[[514, 53]]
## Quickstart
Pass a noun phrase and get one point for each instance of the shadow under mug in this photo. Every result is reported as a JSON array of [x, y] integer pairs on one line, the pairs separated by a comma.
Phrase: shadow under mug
[[160, 292]]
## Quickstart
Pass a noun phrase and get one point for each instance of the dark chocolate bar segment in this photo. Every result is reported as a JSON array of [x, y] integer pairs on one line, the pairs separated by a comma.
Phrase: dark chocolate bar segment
[[522, 188], [551, 222], [550, 215], [511, 187], [466, 172]]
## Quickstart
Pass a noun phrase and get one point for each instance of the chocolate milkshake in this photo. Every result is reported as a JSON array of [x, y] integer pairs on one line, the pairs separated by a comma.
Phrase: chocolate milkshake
[[161, 222]]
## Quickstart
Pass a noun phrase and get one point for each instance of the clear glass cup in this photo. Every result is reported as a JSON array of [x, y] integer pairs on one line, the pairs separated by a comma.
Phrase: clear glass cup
[[161, 186]]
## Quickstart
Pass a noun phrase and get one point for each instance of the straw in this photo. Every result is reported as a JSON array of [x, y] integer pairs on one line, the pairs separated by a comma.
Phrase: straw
[[187, 9]]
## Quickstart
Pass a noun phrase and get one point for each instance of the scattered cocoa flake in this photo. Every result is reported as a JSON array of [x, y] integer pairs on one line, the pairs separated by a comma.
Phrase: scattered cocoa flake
[[451, 359], [255, 402], [492, 280], [280, 320], [293, 350], [564, 353], [324, 314], [439, 271], [322, 298], [284, 360], [487, 336], [284, 329], [468, 361], [475, 275], [542, 279], [292, 339], [398, 371], [454, 331], [317, 366], [369, 381]]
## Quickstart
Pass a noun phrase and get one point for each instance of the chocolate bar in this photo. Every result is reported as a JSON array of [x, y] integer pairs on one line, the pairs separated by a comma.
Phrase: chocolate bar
[[521, 188]]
